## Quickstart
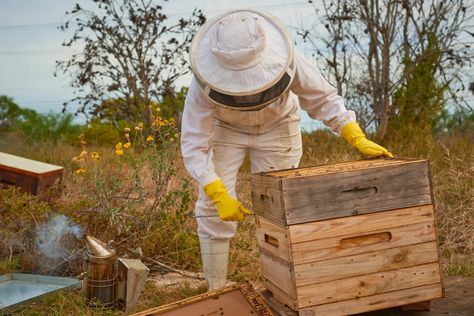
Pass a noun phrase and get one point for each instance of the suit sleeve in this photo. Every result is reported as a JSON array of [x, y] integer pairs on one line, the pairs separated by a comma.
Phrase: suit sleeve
[[317, 97], [196, 135]]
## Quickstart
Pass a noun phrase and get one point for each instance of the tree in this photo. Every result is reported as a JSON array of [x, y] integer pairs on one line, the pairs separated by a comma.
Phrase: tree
[[366, 44], [11, 114], [112, 110], [132, 53], [418, 102]]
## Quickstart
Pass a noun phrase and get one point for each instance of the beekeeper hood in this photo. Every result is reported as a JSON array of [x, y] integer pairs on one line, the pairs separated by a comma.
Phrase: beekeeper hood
[[243, 59]]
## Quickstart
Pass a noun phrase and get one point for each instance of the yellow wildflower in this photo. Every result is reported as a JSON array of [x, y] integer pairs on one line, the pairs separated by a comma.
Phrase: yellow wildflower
[[176, 135], [96, 156], [80, 171], [126, 130], [118, 146], [172, 119], [127, 145], [171, 139], [158, 109], [127, 136], [155, 123], [166, 122], [119, 152], [139, 127], [149, 138]]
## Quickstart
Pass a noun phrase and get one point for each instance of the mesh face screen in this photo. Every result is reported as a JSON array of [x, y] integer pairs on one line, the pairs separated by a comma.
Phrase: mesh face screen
[[263, 97]]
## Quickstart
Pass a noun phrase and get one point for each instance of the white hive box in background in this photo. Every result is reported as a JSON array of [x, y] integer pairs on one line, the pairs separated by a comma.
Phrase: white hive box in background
[[30, 175]]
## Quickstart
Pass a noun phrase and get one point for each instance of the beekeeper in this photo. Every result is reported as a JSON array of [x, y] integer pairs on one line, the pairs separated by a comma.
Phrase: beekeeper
[[245, 97]]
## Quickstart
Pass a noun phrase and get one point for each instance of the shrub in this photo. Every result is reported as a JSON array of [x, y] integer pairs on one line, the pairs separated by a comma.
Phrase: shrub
[[137, 193], [50, 127]]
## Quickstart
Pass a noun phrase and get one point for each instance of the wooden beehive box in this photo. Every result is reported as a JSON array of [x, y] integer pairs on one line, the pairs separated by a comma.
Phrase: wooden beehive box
[[348, 238], [30, 175]]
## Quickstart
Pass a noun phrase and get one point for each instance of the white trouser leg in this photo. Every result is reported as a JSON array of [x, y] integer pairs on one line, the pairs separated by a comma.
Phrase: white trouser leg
[[229, 150], [215, 254], [279, 148]]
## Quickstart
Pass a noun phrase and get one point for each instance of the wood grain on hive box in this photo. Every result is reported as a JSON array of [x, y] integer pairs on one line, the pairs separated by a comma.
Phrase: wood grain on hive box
[[30, 175], [303, 195], [365, 244]]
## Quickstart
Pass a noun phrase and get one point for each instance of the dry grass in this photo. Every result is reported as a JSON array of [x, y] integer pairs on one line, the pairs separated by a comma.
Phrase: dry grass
[[454, 193]]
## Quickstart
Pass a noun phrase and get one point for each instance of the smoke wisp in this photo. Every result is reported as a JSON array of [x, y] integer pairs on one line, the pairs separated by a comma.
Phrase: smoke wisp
[[52, 236]]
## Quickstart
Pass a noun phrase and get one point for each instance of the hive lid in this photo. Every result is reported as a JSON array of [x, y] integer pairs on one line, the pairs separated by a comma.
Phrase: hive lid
[[338, 167], [27, 166]]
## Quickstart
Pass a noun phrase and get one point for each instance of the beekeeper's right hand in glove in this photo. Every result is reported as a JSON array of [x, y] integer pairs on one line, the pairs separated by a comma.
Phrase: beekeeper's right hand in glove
[[354, 135], [228, 208]]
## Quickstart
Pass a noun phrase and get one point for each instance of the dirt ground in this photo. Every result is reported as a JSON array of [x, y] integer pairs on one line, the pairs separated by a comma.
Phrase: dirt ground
[[458, 301]]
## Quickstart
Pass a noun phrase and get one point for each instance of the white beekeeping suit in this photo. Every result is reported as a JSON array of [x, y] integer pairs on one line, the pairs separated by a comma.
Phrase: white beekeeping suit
[[245, 98]]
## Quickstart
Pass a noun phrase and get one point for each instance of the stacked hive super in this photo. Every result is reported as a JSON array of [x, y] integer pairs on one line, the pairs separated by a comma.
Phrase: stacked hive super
[[348, 238]]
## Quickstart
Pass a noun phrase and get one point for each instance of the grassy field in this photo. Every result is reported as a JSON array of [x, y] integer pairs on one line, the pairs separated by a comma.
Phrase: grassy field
[[153, 219]]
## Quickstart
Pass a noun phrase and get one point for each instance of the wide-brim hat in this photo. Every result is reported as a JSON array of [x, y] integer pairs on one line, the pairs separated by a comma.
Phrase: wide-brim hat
[[242, 53]]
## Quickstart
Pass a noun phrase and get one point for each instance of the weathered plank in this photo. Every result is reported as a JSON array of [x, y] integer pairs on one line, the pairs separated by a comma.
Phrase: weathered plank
[[367, 285], [361, 223], [273, 239], [280, 295], [355, 192], [279, 272], [378, 301], [277, 307], [366, 263], [330, 248], [26, 182], [267, 199]]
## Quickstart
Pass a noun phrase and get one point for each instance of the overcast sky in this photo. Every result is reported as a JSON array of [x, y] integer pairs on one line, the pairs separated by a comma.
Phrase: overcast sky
[[30, 43]]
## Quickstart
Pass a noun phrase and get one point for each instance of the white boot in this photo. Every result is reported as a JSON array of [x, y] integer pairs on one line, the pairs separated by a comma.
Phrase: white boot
[[215, 254]]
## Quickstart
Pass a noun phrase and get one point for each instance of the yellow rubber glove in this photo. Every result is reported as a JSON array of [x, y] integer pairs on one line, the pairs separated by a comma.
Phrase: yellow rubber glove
[[354, 135], [228, 208]]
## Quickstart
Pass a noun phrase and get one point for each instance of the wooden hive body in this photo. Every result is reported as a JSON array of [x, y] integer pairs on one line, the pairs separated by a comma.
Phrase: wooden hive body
[[30, 175], [348, 238]]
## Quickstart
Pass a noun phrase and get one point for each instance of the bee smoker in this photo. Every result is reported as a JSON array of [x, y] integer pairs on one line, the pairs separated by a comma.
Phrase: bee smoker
[[101, 272]]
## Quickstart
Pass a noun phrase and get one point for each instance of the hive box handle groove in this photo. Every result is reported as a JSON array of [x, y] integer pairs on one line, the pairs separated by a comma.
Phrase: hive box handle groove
[[271, 240], [358, 193], [365, 240]]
